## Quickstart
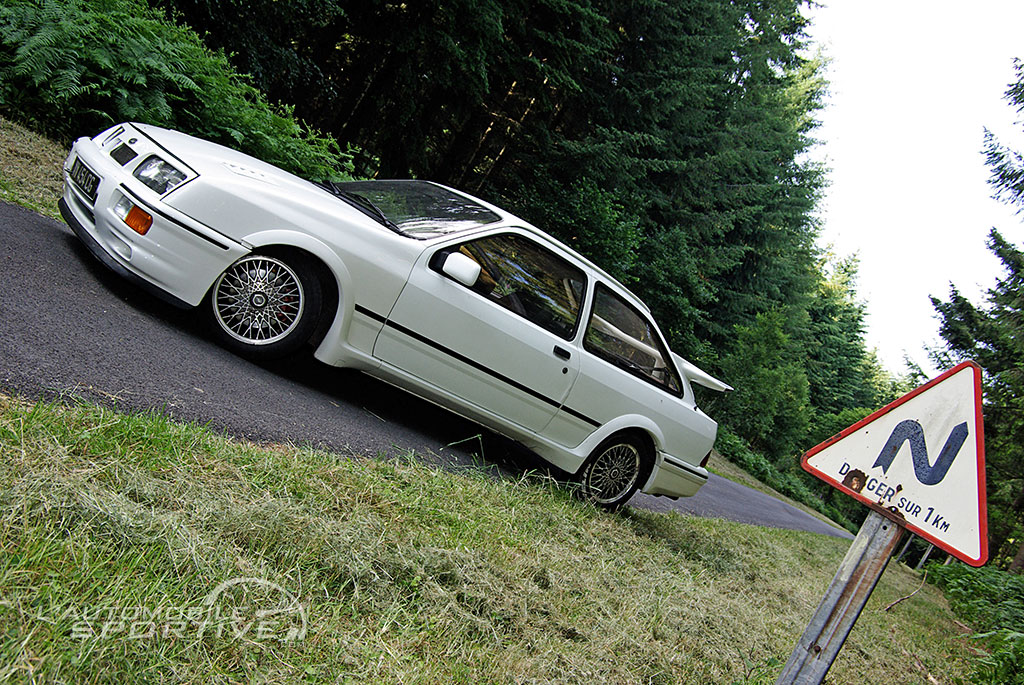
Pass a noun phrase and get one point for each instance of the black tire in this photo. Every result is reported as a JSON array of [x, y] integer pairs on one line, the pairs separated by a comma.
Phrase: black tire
[[265, 306], [615, 471]]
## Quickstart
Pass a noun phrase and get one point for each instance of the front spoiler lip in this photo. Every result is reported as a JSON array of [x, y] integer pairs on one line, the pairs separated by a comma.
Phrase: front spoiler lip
[[99, 253]]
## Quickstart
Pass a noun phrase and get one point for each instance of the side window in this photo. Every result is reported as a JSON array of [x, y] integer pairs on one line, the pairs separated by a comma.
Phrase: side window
[[523, 277], [620, 334]]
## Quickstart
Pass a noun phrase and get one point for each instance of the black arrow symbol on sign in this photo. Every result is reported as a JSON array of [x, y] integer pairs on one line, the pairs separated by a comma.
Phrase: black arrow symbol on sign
[[927, 473]]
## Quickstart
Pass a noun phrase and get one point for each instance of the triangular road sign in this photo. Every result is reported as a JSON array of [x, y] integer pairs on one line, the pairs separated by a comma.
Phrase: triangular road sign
[[920, 461]]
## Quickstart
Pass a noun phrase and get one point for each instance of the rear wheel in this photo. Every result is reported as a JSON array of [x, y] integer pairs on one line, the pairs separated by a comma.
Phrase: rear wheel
[[265, 307], [613, 473]]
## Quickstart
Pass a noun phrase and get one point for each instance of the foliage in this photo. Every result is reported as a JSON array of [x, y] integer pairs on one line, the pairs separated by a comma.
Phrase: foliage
[[586, 216], [838, 365], [769, 408], [72, 67], [827, 425], [993, 602], [987, 597], [1004, 664], [993, 335]]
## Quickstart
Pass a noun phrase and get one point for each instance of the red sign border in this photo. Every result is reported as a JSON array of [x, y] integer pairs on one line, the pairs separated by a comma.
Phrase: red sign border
[[979, 431]]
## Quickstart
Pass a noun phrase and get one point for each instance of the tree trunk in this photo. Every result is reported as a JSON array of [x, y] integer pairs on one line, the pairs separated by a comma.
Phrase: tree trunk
[[1017, 565], [998, 538]]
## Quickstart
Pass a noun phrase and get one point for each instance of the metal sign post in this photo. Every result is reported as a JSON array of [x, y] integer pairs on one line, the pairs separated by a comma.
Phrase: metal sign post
[[919, 464], [860, 570]]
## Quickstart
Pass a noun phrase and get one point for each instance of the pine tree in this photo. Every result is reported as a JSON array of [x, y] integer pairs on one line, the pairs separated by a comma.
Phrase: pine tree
[[993, 335], [664, 139]]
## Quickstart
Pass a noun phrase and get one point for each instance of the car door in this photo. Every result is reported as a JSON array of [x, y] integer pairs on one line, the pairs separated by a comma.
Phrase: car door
[[504, 344]]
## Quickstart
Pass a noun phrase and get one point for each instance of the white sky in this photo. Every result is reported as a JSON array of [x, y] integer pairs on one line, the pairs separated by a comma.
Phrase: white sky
[[913, 83]]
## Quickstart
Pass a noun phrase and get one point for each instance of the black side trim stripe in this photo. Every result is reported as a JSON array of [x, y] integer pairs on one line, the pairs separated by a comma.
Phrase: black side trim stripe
[[371, 314], [149, 208], [471, 362], [475, 364], [683, 465], [582, 417]]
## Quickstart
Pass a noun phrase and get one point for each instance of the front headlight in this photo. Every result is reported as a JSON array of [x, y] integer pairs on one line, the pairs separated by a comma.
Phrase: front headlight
[[159, 175]]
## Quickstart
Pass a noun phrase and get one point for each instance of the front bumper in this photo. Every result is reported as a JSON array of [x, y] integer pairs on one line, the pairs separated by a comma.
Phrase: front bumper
[[104, 257], [177, 259]]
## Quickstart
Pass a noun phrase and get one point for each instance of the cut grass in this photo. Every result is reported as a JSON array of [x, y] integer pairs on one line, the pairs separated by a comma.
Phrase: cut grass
[[30, 169], [407, 573]]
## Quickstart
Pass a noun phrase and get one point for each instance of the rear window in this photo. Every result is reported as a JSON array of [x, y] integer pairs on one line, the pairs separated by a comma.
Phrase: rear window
[[621, 335]]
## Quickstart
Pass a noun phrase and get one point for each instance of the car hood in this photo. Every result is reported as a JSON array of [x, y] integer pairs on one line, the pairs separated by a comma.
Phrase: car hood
[[238, 195]]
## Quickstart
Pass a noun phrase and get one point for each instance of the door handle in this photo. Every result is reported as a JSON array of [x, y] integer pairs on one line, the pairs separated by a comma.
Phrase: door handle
[[562, 353]]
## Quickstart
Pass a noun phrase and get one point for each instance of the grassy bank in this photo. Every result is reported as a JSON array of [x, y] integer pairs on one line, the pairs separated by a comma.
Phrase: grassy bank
[[404, 573], [30, 166]]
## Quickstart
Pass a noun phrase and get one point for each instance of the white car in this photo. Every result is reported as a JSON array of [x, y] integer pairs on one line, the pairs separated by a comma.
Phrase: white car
[[420, 285]]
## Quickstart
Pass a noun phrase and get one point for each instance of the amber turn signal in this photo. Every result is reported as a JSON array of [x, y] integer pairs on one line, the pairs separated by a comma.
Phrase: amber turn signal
[[138, 220]]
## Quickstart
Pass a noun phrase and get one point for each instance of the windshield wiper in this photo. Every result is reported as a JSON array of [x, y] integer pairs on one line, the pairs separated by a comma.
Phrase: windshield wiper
[[362, 203]]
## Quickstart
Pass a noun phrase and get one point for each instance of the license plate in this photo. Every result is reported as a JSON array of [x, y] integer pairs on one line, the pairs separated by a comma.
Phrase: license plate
[[85, 179]]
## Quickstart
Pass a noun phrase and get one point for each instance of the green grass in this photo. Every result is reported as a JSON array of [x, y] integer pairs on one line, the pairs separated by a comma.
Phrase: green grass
[[30, 169], [407, 573]]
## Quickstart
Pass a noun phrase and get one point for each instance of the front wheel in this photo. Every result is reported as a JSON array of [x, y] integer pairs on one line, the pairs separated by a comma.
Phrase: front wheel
[[265, 307], [613, 473]]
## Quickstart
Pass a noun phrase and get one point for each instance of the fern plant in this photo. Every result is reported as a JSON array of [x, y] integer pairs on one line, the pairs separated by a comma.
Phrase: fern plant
[[991, 600], [74, 67]]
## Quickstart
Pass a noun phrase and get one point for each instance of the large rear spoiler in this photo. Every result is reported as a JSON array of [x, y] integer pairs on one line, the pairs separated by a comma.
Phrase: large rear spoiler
[[699, 376]]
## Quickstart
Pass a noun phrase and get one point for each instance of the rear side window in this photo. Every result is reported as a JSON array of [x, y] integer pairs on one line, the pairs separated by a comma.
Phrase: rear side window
[[621, 335], [530, 280]]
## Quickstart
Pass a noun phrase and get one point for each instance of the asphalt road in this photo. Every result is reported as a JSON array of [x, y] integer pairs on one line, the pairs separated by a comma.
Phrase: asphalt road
[[71, 328]]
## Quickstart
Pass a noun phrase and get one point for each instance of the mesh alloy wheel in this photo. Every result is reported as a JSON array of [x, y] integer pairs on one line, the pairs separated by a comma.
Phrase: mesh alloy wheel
[[613, 475], [258, 301]]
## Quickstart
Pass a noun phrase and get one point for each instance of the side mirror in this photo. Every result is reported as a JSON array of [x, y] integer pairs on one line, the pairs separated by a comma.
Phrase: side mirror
[[461, 268]]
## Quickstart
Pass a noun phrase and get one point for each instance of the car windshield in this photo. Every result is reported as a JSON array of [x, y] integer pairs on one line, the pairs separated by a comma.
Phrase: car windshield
[[419, 209]]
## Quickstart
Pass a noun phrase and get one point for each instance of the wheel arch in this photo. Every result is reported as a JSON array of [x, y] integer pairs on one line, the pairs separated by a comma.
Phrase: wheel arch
[[647, 431], [645, 438], [335, 278], [642, 436]]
